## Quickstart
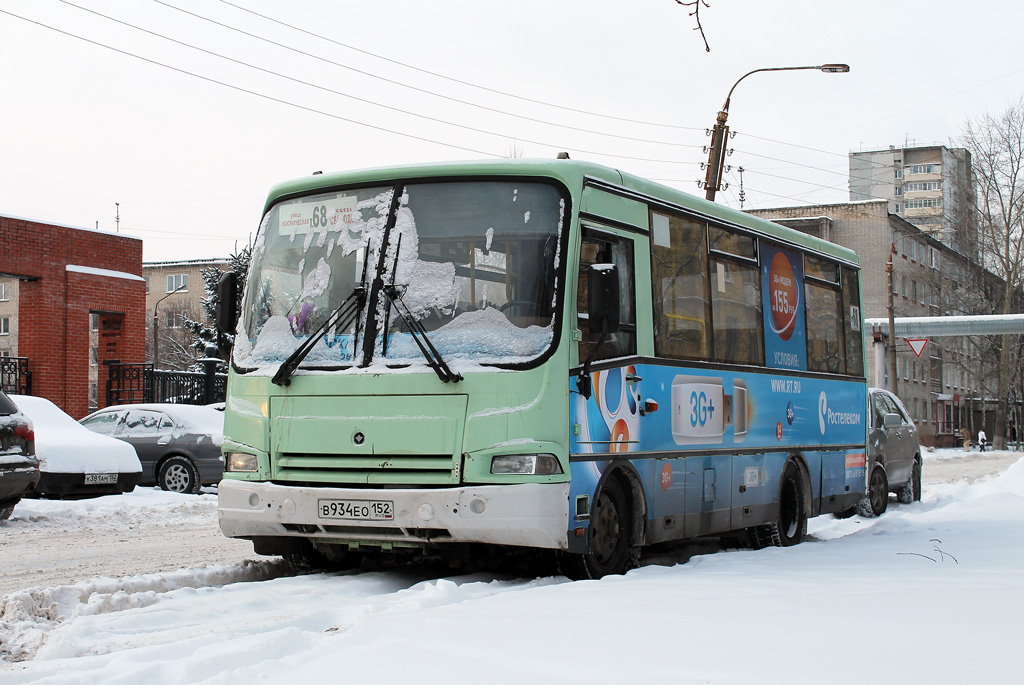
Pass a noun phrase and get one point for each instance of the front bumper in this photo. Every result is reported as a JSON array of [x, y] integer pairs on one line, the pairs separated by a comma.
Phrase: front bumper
[[530, 515]]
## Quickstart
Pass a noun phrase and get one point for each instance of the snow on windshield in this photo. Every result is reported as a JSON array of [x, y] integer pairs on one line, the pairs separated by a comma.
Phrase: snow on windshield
[[477, 273]]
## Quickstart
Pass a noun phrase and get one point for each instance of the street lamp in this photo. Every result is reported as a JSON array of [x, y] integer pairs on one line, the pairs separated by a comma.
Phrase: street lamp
[[716, 154], [156, 325], [894, 381]]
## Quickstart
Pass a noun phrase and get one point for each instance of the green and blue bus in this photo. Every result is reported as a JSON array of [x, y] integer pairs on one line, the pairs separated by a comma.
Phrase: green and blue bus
[[541, 354]]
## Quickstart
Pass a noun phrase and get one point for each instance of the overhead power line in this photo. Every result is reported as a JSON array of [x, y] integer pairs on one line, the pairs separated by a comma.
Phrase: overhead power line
[[452, 79], [246, 90], [418, 89]]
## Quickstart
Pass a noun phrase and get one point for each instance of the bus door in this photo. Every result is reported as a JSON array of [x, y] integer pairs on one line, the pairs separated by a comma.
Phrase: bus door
[[608, 421]]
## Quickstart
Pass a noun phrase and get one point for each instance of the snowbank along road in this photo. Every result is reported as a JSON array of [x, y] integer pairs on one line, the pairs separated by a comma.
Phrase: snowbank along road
[[109, 599]]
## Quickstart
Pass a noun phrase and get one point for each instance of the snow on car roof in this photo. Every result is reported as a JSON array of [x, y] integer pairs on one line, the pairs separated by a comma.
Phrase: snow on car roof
[[64, 446]]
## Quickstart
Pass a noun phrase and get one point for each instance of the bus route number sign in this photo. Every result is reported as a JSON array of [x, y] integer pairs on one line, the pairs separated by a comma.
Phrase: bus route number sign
[[356, 510]]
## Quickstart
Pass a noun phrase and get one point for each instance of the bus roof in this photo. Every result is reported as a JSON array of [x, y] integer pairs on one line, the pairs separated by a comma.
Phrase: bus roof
[[574, 174]]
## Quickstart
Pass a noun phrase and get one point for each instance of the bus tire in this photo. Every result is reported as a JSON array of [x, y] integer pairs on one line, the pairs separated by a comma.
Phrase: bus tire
[[790, 524], [911, 492], [613, 551]]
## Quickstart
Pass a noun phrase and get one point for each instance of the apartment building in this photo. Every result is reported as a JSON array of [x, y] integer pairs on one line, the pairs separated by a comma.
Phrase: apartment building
[[174, 289], [929, 186]]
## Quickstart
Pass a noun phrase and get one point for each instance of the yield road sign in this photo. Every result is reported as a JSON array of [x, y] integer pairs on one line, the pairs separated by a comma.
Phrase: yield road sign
[[917, 345]]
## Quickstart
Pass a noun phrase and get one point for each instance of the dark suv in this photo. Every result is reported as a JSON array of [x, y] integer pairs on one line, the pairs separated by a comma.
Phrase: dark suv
[[19, 468], [894, 455]]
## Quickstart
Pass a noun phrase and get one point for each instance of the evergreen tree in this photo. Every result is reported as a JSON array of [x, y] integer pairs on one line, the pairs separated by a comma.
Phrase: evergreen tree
[[203, 334]]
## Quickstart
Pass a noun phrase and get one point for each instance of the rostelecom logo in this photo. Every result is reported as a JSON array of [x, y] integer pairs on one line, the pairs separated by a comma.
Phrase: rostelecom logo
[[822, 411]]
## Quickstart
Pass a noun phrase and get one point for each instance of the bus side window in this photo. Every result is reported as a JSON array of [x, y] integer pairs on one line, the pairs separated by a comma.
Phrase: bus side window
[[604, 248], [679, 280], [737, 323], [824, 329], [854, 329]]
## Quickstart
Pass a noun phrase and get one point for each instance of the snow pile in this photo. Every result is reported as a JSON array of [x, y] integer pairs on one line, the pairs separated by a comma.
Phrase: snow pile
[[142, 504], [30, 616]]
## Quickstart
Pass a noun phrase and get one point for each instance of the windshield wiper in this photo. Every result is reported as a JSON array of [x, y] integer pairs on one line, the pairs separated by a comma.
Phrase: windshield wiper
[[342, 317], [419, 335]]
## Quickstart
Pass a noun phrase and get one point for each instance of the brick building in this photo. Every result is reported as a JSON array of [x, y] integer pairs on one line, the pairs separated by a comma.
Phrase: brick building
[[81, 303]]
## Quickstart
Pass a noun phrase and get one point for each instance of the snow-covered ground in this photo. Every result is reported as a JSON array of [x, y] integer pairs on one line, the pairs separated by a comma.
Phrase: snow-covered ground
[[930, 592]]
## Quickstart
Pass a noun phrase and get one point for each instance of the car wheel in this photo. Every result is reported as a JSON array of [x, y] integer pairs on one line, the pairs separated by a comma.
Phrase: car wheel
[[612, 548], [877, 499], [179, 474], [790, 524], [911, 492]]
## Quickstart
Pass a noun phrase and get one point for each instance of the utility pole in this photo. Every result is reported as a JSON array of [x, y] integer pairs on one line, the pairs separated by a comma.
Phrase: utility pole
[[743, 196], [117, 217], [720, 133]]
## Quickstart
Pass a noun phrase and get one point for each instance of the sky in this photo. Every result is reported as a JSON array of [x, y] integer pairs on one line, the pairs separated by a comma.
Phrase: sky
[[179, 115], [928, 593]]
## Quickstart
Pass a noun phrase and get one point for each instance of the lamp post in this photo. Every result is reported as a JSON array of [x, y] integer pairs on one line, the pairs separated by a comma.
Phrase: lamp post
[[716, 154], [156, 325], [893, 380]]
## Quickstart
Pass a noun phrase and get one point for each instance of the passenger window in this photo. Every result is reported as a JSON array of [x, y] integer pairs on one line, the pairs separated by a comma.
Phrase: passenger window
[[824, 329], [142, 422], [679, 279], [105, 423], [604, 248], [854, 334], [738, 326]]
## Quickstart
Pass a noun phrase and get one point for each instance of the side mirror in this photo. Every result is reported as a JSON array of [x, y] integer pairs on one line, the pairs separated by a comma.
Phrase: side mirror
[[603, 298], [892, 421], [227, 295]]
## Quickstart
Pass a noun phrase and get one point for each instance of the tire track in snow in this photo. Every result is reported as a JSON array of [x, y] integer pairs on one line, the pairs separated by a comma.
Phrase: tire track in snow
[[29, 616]]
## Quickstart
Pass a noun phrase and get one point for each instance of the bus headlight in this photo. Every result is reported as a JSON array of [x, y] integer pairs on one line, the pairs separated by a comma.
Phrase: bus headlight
[[526, 464], [240, 461]]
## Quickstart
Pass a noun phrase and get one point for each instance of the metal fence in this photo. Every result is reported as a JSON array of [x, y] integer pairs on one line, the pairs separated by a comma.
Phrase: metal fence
[[131, 383], [15, 377]]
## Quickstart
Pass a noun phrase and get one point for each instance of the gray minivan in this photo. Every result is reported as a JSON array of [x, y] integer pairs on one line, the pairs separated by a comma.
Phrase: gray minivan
[[894, 454]]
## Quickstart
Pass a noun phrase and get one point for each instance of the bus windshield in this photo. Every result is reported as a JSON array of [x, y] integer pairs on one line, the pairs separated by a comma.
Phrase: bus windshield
[[474, 264]]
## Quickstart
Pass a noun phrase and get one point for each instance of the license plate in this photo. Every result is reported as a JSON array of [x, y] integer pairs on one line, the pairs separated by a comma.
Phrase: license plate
[[356, 510], [100, 478]]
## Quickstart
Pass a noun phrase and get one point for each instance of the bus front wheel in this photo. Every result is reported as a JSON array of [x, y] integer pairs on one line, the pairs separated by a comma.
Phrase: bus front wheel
[[612, 547]]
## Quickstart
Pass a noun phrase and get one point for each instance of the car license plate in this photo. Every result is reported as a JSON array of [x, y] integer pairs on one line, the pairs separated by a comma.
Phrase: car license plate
[[100, 478], [356, 510]]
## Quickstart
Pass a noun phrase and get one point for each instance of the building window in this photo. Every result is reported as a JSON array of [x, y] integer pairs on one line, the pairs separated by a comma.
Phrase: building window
[[925, 168], [921, 204], [94, 321], [899, 190], [94, 356], [3, 292], [5, 326], [899, 171], [916, 187], [176, 281], [171, 320], [898, 208], [147, 285]]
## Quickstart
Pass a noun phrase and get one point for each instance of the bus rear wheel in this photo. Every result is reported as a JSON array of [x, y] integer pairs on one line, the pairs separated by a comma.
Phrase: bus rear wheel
[[790, 524], [612, 547]]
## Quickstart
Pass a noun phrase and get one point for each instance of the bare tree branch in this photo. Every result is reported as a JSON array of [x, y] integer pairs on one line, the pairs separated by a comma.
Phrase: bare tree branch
[[696, 4]]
